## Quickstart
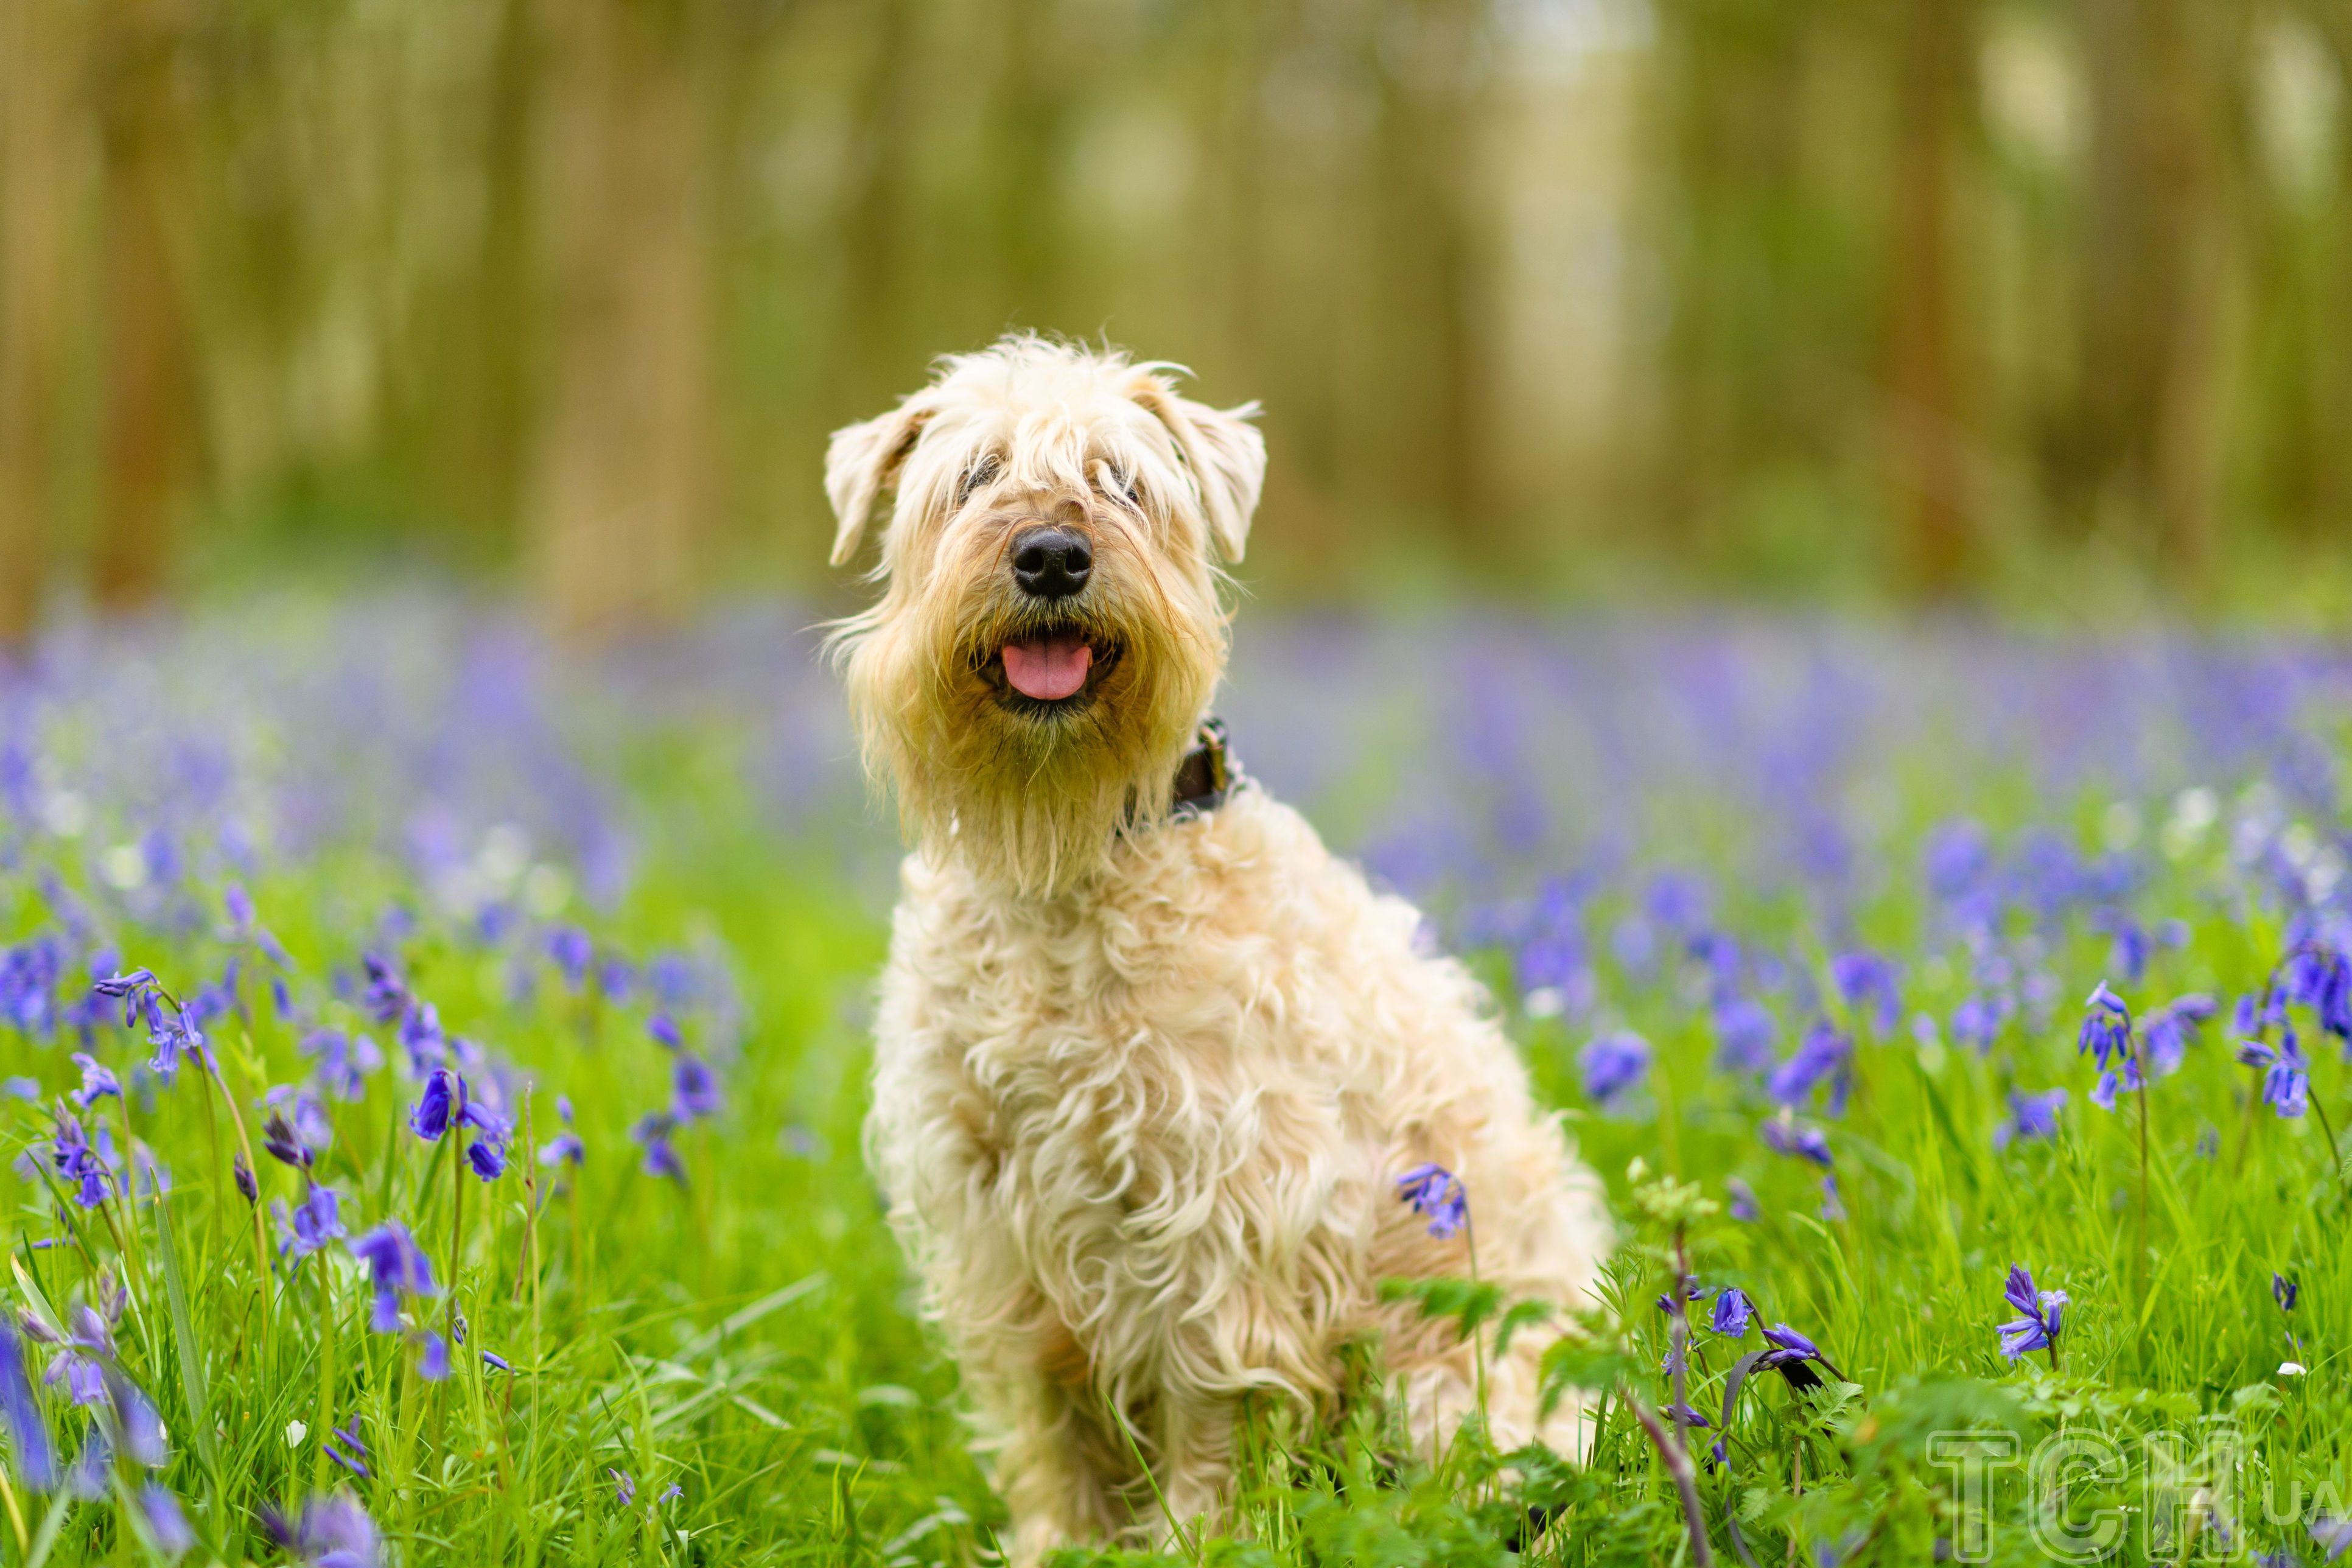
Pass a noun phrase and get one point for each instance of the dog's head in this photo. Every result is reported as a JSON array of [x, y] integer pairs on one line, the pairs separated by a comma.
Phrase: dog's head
[[1052, 621]]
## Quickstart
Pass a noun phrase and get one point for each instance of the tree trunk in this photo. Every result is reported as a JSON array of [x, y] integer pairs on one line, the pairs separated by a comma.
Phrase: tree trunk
[[39, 78], [621, 474], [149, 427], [1924, 403], [2148, 355]]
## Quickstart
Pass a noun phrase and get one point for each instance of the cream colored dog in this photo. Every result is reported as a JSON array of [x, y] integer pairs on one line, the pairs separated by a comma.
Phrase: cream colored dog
[[1146, 1077]]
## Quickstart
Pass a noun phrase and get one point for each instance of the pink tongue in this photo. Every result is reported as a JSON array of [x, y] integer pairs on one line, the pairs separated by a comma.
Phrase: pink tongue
[[1047, 669]]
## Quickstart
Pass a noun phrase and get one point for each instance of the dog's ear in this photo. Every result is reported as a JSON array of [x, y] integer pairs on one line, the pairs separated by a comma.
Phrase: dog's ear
[[1223, 449], [863, 460]]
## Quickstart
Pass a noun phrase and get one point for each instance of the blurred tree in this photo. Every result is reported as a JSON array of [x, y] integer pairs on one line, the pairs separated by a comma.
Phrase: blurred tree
[[41, 89], [2152, 270], [148, 442], [1936, 50], [622, 480]]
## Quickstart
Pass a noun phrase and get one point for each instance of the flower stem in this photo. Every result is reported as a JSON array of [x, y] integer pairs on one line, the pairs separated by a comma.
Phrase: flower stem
[[1678, 1467], [2139, 1267]]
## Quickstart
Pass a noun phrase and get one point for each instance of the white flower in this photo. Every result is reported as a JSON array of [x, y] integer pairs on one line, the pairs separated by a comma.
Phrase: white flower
[[2290, 1369]]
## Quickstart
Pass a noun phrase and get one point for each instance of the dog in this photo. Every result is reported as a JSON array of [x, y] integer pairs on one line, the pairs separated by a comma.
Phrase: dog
[[1150, 1062]]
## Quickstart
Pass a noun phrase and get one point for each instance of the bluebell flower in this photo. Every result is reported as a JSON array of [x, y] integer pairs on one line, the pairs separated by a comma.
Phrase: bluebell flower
[[1732, 1312], [432, 1357], [1684, 1416], [2286, 1078], [1782, 1135], [496, 1362], [2104, 1092], [1742, 1205], [652, 1131], [1793, 1355], [136, 1420], [487, 1157], [441, 1102], [2042, 1311], [126, 984], [1823, 1056], [2284, 1291], [2107, 1027], [97, 1081], [397, 1267], [694, 1090], [665, 1032], [20, 1414], [315, 1221], [624, 1486], [84, 1166], [572, 950], [1744, 1034], [2169, 1030], [1613, 1064], [242, 1174], [1437, 1192], [671, 1493], [280, 1141], [165, 1523], [2331, 1533], [1832, 1206], [2031, 1117], [386, 999], [1866, 979], [1976, 1023], [343, 1062], [331, 1532]]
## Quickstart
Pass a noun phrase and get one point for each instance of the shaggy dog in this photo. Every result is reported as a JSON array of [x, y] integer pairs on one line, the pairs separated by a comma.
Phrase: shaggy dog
[[1150, 1062]]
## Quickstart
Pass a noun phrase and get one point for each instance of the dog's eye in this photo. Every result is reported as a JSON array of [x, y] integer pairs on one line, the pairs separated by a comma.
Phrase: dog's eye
[[1113, 484], [979, 474]]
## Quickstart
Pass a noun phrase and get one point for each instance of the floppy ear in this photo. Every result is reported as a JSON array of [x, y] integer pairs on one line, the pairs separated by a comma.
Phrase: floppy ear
[[860, 462], [1223, 449]]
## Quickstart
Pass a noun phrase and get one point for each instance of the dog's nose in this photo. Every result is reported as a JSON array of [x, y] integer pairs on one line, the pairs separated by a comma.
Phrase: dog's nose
[[1051, 562]]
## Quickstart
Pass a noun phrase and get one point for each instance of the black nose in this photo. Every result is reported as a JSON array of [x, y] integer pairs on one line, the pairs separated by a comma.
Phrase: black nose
[[1051, 562]]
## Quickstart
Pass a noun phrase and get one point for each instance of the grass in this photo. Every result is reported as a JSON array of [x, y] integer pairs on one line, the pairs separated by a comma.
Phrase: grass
[[746, 1335]]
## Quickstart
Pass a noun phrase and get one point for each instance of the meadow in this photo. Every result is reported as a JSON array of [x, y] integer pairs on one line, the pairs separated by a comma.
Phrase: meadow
[[433, 1067]]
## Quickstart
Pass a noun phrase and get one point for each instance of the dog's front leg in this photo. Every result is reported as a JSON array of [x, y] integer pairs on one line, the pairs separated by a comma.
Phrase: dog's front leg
[[1065, 1480]]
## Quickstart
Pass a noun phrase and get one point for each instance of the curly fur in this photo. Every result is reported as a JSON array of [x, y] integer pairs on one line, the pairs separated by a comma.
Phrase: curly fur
[[1142, 1088]]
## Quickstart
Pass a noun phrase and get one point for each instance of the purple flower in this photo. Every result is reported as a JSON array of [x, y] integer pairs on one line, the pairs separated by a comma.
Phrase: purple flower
[[496, 1362], [331, 1532], [353, 1454], [1614, 1064], [2031, 1117], [2169, 1030], [165, 1522], [20, 1414], [84, 1166], [1743, 1206], [1732, 1312], [694, 1090], [1822, 1056], [396, 1267], [386, 999], [1976, 1022], [442, 1099], [653, 1131], [2042, 1309], [1684, 1416], [2284, 1291], [2331, 1533], [1437, 1192], [2107, 1027], [344, 1062], [120, 985], [1745, 1033], [2102, 1093], [624, 1487], [432, 1357], [279, 1141], [97, 1081], [1866, 978], [1783, 1136], [242, 1174], [570, 948], [2286, 1080], [664, 1029], [488, 1156], [1790, 1354], [316, 1221]]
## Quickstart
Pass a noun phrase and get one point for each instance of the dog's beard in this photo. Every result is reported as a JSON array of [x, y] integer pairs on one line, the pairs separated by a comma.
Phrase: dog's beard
[[1029, 795]]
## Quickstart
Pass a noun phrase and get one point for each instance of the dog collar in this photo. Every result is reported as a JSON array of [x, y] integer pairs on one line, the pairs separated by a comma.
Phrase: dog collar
[[1207, 774]]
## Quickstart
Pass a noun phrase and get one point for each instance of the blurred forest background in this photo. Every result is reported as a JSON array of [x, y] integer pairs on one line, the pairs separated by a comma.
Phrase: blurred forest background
[[1903, 300]]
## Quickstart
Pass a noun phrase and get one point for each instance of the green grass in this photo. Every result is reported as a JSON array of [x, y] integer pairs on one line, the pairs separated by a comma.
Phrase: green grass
[[747, 1336]]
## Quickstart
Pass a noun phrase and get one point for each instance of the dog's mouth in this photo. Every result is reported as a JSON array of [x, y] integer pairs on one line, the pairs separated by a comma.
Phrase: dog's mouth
[[1057, 670]]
